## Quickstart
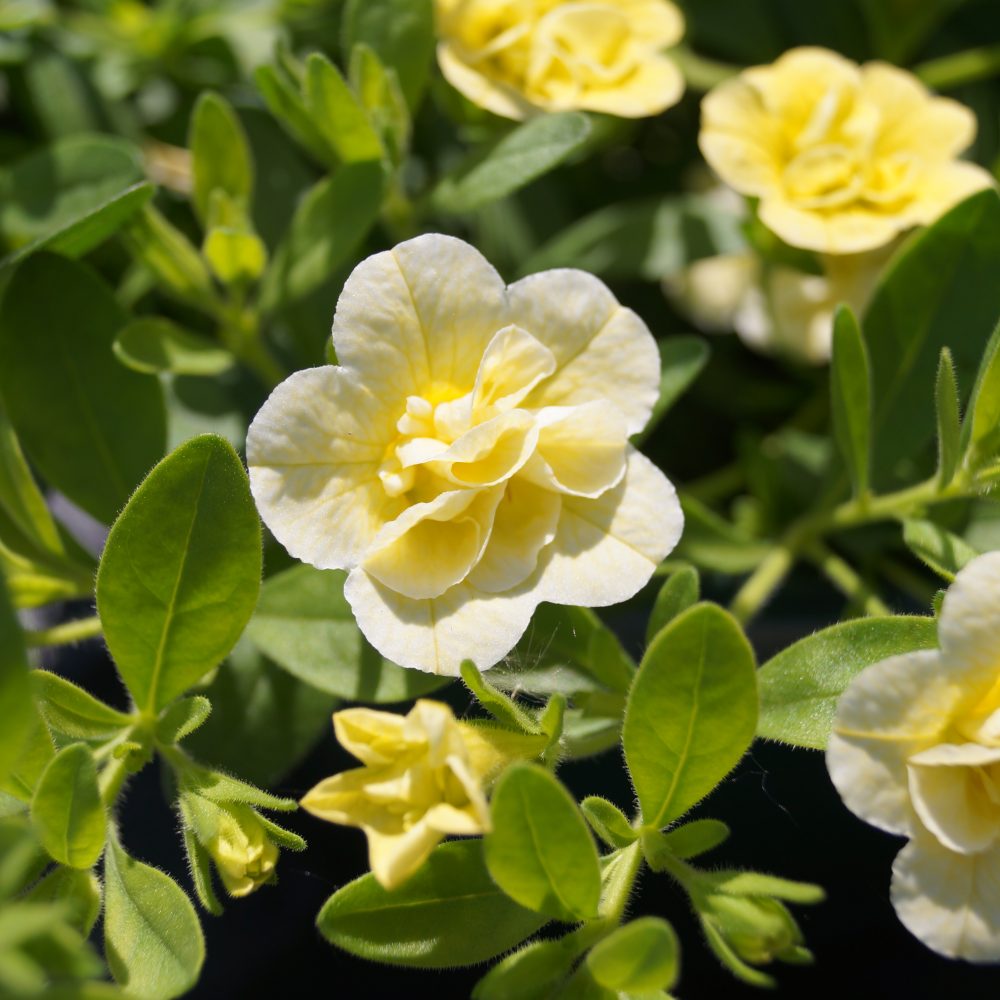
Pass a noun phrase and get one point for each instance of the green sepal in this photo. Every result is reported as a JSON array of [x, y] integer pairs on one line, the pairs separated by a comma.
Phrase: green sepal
[[949, 421], [201, 872], [182, 718], [505, 710]]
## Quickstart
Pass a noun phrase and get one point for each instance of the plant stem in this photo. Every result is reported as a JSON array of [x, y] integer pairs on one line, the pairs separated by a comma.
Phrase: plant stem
[[952, 71], [65, 633], [843, 576], [702, 73], [111, 779], [763, 582], [620, 883]]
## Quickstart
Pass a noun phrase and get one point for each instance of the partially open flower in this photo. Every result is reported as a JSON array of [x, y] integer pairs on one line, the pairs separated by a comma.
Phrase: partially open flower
[[423, 778], [915, 750], [518, 57], [842, 157], [469, 458]]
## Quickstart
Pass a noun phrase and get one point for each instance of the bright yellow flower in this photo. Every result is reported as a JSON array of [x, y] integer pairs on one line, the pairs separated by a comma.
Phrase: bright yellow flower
[[469, 458], [916, 751], [422, 779], [243, 853], [842, 157], [518, 57]]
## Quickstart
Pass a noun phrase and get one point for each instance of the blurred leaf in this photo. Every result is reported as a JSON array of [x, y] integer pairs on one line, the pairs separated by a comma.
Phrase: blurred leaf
[[35, 753], [75, 889], [937, 548], [285, 102], [900, 27], [679, 592], [608, 821], [338, 114], [850, 398], [949, 421], [521, 156], [305, 625], [180, 573], [979, 431], [800, 687], [639, 957], [450, 913], [711, 542], [530, 973], [540, 851], [691, 713], [682, 360], [220, 154], [154, 344], [70, 710], [152, 938], [66, 809], [102, 426], [16, 706], [379, 91]]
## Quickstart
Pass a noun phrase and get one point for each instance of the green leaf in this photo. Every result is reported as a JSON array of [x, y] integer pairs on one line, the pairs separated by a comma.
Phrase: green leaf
[[16, 707], [401, 32], [304, 624], [70, 710], [330, 222], [180, 573], [800, 687], [679, 592], [521, 156], [284, 101], [938, 291], [154, 344], [236, 257], [713, 543], [35, 752], [937, 548], [682, 360], [66, 809], [695, 838], [741, 883], [983, 417], [379, 91], [608, 821], [102, 426], [949, 421], [76, 889], [220, 154], [182, 718], [505, 710], [152, 938], [540, 851], [450, 913], [338, 114], [531, 973], [691, 713], [851, 398], [200, 866], [640, 957]]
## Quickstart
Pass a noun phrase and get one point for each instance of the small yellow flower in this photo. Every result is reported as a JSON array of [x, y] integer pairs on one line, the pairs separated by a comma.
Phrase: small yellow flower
[[243, 853], [469, 458], [842, 157], [916, 751], [518, 57], [422, 779]]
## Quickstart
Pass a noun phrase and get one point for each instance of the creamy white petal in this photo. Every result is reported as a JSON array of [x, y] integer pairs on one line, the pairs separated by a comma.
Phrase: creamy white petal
[[313, 452], [949, 901], [514, 363], [969, 625], [606, 549], [954, 804], [489, 453], [603, 350], [437, 634]]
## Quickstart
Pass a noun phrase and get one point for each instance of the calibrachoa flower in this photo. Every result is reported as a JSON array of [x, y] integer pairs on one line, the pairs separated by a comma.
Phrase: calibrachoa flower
[[422, 779], [518, 57], [469, 458], [842, 157], [916, 751]]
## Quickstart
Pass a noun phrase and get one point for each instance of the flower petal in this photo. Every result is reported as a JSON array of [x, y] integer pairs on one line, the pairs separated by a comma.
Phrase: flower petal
[[343, 799], [394, 858], [969, 624], [848, 230], [944, 186], [514, 363], [890, 711], [489, 453], [606, 549], [493, 95], [603, 351], [372, 736], [953, 804], [655, 85], [437, 634], [949, 901], [313, 452]]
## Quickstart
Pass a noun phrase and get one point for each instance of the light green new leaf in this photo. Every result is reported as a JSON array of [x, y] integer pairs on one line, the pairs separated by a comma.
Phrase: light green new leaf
[[220, 154], [338, 114], [66, 809], [285, 102], [800, 687], [983, 419], [304, 624], [182, 718], [74, 712], [16, 707], [531, 973], [691, 713], [682, 360], [521, 156], [152, 938], [608, 821], [679, 592], [330, 222], [851, 398], [505, 710], [401, 33], [540, 851], [154, 344], [450, 913], [180, 573], [378, 89], [937, 548], [76, 889], [949, 420], [697, 837], [640, 957], [940, 290], [102, 426]]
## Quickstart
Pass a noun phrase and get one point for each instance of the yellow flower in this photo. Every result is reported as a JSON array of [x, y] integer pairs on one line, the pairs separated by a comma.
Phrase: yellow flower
[[842, 157], [916, 751], [518, 57], [470, 458], [243, 853], [422, 779]]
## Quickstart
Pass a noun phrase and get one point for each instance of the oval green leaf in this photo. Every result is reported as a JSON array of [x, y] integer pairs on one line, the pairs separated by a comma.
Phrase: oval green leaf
[[220, 153], [800, 687], [679, 592], [640, 957], [66, 809], [152, 938], [540, 851], [70, 710], [691, 713], [181, 571], [531, 973], [450, 913], [851, 398], [153, 344]]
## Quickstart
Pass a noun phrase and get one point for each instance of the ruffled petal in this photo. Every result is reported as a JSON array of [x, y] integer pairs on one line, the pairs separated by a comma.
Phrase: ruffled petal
[[953, 803], [493, 95], [368, 734], [969, 624], [655, 85], [514, 363], [849, 230], [394, 858]]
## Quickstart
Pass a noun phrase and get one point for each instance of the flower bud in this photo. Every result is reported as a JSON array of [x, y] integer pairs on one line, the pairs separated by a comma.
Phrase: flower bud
[[758, 929], [243, 853]]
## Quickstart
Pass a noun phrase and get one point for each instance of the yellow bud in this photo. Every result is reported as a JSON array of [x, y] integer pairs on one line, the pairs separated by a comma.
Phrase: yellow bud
[[243, 852]]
